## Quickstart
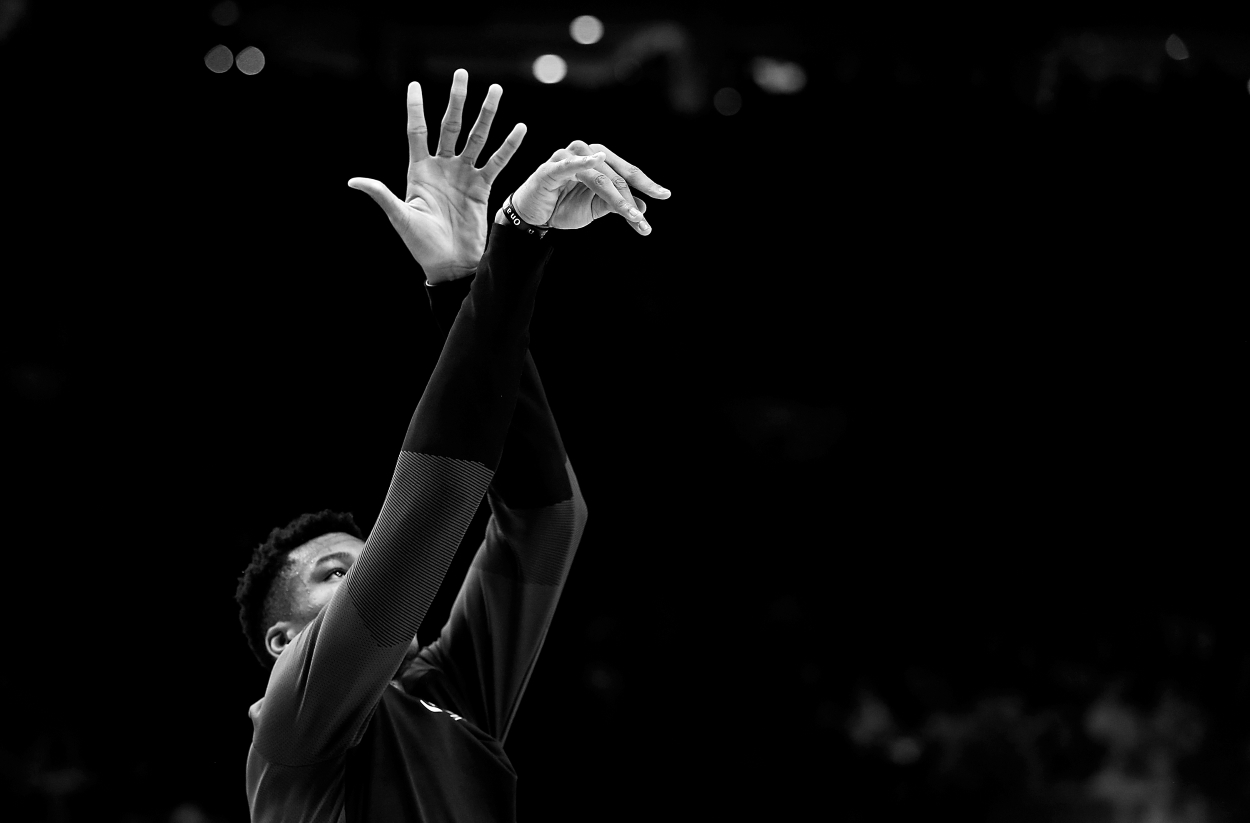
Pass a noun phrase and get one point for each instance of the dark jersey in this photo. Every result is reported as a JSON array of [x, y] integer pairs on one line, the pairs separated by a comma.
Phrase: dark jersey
[[348, 730]]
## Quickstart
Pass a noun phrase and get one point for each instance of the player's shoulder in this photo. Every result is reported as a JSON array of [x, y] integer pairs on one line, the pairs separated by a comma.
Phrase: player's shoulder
[[254, 710]]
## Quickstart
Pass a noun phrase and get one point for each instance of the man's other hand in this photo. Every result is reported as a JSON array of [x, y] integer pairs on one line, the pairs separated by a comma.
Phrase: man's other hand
[[582, 183]]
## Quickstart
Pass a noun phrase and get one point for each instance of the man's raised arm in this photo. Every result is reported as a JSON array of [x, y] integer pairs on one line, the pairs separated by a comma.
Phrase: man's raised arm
[[501, 616], [329, 678]]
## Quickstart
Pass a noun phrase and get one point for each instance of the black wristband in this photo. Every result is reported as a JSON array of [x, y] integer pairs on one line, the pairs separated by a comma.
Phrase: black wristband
[[514, 219]]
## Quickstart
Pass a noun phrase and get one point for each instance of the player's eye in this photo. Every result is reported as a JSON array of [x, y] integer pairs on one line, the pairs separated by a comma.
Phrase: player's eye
[[334, 572]]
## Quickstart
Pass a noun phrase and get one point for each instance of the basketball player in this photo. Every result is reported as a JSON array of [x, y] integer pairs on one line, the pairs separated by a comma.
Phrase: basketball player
[[358, 721]]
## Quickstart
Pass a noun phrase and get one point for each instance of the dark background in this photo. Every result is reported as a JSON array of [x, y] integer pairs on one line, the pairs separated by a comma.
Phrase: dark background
[[912, 437]]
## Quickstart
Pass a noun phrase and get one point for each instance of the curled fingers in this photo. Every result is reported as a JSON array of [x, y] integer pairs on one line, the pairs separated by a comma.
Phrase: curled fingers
[[632, 174], [614, 192], [564, 166]]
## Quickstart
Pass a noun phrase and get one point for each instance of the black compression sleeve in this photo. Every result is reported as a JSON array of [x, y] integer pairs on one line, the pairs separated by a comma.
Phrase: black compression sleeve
[[481, 361], [531, 472]]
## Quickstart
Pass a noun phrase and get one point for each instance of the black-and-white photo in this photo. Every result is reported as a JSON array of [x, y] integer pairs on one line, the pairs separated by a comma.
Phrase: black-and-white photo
[[445, 413]]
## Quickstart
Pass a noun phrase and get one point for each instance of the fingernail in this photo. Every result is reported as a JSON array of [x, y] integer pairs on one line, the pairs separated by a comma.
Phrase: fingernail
[[634, 214], [645, 225], [665, 192]]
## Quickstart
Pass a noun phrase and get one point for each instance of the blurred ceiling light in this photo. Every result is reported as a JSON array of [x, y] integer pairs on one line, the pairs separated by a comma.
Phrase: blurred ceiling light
[[250, 60], [225, 14], [727, 101], [1175, 48], [550, 68], [219, 59], [778, 76], [586, 29]]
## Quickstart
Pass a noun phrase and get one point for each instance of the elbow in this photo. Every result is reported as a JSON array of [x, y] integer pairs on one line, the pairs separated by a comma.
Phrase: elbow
[[579, 507], [579, 502], [579, 521]]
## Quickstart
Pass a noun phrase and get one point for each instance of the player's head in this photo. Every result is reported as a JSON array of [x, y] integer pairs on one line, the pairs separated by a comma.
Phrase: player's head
[[292, 576]]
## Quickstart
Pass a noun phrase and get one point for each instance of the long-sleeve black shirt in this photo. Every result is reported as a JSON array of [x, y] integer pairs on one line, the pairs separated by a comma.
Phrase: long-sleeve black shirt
[[339, 736]]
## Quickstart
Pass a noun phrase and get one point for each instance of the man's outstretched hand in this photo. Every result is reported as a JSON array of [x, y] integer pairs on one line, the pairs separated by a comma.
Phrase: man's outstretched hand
[[443, 216]]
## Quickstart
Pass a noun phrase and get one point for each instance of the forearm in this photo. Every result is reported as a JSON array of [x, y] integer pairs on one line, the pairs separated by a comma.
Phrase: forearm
[[468, 402], [456, 437], [531, 471]]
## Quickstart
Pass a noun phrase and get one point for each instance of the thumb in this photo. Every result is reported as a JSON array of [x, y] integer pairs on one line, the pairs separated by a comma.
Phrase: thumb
[[380, 194]]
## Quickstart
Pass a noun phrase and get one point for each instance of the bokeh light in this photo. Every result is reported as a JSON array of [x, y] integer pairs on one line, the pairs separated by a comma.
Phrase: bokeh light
[[904, 750], [727, 101], [778, 76], [219, 59], [225, 13], [250, 61], [586, 29], [550, 68], [1175, 47]]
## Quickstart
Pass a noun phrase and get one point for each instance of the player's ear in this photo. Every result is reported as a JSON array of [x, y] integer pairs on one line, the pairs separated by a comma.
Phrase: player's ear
[[279, 635]]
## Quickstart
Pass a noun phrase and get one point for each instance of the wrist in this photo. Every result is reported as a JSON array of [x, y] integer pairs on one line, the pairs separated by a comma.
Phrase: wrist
[[511, 217]]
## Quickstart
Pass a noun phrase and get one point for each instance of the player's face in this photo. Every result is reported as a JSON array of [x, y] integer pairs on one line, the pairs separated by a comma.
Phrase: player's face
[[317, 570], [319, 567]]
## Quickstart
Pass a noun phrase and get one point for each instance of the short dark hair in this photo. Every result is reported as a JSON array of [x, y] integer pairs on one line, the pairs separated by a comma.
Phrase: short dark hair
[[261, 603]]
